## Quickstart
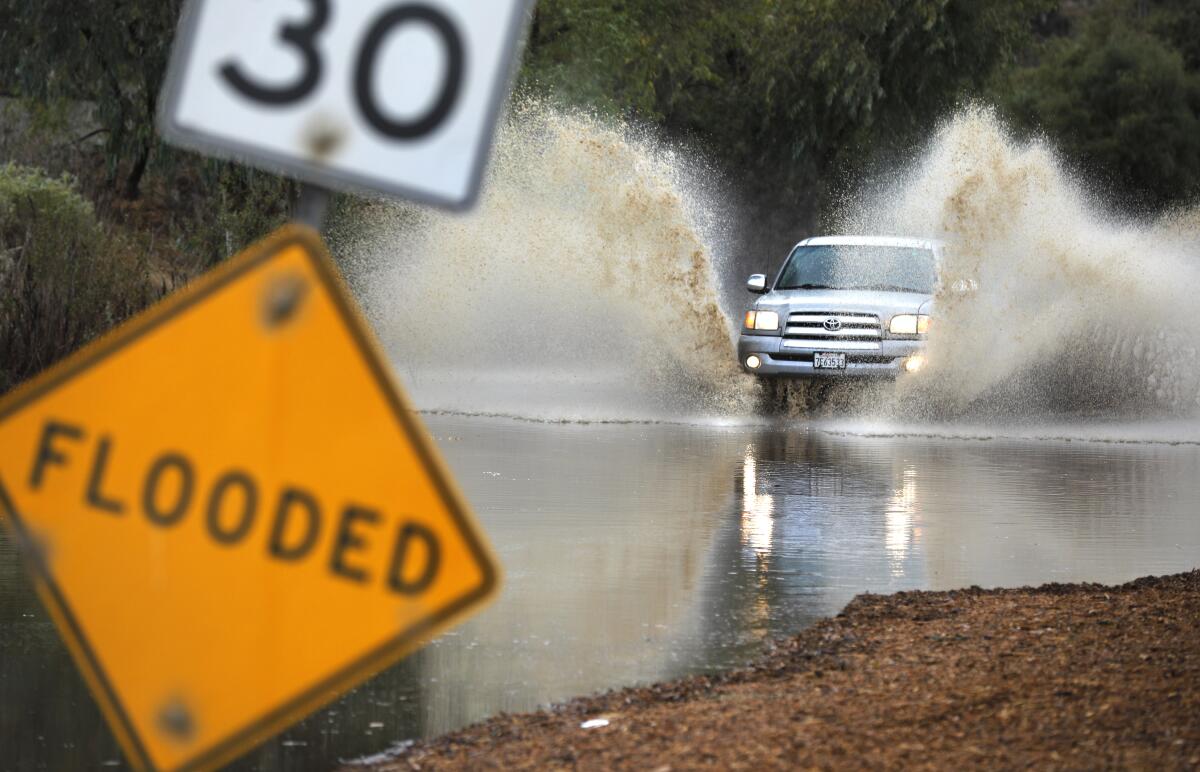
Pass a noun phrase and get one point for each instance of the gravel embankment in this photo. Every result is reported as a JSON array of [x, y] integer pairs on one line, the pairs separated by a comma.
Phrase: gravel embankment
[[1057, 677]]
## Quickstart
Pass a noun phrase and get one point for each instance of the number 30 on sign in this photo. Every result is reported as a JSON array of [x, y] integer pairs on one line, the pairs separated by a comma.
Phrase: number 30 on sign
[[368, 95]]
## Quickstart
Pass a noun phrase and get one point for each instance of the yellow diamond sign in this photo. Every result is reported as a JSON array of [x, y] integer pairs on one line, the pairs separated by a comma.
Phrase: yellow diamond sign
[[231, 511]]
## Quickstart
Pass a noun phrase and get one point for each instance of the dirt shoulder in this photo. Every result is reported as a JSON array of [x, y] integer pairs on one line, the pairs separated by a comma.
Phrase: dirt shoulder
[[1057, 677]]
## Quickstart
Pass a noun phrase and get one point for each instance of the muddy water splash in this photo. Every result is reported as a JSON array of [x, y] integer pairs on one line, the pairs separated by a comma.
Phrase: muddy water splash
[[1077, 311], [584, 286]]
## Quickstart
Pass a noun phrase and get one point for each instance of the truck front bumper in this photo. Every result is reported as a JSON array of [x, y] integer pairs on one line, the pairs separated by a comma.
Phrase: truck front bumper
[[885, 359]]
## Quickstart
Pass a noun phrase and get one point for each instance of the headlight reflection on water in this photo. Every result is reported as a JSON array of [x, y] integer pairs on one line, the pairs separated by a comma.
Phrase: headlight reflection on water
[[758, 530], [899, 533], [758, 510]]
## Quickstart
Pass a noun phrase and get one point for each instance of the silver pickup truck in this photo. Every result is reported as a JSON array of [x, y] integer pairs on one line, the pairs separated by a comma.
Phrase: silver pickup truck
[[844, 306]]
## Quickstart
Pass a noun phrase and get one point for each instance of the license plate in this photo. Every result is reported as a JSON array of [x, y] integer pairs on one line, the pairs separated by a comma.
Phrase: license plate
[[829, 361]]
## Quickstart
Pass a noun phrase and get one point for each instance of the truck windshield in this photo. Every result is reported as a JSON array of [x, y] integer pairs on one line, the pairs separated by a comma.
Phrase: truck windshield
[[860, 267]]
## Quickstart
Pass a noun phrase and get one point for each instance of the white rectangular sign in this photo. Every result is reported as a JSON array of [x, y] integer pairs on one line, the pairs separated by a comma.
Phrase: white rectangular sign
[[393, 96]]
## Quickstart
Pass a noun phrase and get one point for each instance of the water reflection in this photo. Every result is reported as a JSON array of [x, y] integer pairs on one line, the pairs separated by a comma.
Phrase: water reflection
[[637, 553], [899, 514], [758, 527], [758, 509]]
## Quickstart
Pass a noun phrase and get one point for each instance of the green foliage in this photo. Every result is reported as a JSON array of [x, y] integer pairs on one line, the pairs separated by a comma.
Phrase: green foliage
[[1120, 101], [785, 91], [792, 96], [63, 277], [111, 53], [837, 76], [637, 58], [241, 205], [797, 95], [1177, 22]]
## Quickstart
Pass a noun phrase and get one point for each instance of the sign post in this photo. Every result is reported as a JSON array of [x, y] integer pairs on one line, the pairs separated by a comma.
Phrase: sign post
[[312, 209], [229, 508]]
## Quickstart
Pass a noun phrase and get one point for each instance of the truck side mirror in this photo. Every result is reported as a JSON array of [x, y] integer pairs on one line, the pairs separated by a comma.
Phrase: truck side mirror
[[757, 284]]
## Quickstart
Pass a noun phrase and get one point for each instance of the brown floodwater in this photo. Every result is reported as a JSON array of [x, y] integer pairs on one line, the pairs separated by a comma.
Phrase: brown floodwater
[[640, 552]]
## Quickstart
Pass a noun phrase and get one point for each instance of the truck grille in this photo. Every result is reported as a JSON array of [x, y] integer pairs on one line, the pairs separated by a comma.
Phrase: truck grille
[[835, 329]]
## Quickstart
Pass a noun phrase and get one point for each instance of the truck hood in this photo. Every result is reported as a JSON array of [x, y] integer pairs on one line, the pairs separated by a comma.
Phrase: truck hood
[[882, 304]]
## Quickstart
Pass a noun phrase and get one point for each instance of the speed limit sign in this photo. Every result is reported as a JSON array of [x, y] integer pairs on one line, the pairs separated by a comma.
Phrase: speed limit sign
[[392, 96]]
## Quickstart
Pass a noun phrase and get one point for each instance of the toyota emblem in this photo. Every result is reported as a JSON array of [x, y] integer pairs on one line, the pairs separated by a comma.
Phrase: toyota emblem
[[833, 325]]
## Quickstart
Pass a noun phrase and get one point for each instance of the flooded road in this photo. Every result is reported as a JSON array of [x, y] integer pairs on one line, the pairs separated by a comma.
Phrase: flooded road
[[640, 552]]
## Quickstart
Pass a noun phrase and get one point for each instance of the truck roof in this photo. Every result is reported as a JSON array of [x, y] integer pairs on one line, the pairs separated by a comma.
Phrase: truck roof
[[871, 241]]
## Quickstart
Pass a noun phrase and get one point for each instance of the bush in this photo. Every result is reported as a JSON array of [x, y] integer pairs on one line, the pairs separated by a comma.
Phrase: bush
[[64, 278], [1122, 103], [246, 205]]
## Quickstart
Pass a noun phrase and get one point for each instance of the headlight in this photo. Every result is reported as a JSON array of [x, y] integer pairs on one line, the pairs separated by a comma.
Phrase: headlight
[[762, 320], [910, 324]]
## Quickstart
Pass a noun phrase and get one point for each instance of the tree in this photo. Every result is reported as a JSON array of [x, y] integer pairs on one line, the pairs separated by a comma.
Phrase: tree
[[784, 92], [1177, 22], [113, 54], [829, 76], [1119, 101]]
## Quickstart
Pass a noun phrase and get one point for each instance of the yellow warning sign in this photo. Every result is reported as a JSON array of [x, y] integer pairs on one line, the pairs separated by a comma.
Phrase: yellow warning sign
[[231, 511]]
